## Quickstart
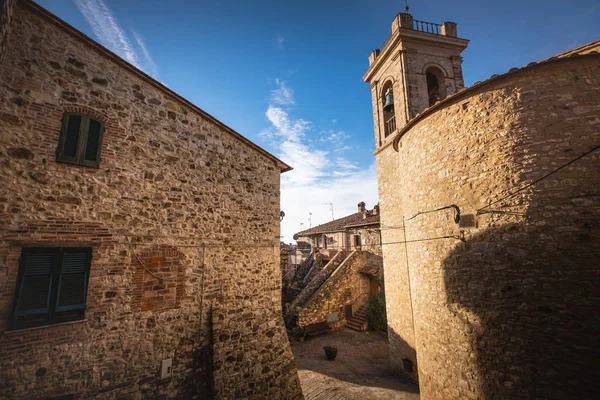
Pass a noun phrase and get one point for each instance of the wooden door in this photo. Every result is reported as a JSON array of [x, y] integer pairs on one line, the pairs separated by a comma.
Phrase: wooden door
[[373, 286]]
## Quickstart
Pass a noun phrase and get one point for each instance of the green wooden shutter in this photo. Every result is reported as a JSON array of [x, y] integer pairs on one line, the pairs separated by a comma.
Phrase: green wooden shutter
[[93, 143], [72, 285], [36, 282], [71, 136]]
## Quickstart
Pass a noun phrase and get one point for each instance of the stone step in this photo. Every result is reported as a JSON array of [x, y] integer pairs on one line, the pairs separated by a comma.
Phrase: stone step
[[358, 322], [356, 327]]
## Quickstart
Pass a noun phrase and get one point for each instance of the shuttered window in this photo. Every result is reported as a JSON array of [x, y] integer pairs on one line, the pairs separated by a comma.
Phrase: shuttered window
[[80, 140], [51, 286]]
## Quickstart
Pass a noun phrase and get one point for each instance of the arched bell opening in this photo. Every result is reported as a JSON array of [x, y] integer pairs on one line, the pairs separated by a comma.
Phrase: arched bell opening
[[436, 85], [389, 115]]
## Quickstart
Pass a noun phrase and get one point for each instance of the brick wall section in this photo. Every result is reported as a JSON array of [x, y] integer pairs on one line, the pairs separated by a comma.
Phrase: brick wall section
[[345, 286], [512, 311], [175, 189]]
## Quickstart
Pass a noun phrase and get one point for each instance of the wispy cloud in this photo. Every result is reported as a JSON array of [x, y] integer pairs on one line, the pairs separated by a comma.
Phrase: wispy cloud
[[107, 30], [150, 66], [279, 41], [335, 137], [282, 95], [322, 172]]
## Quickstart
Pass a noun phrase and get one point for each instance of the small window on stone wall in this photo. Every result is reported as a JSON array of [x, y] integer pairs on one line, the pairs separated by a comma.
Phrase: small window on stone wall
[[51, 286], [80, 140]]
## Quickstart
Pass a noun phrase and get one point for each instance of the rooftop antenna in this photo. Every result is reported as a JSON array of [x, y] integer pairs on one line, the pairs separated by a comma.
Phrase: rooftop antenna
[[310, 220], [406, 7], [330, 209]]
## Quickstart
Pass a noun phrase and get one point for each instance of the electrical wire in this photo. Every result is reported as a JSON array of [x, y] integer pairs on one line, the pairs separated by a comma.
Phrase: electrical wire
[[160, 279], [453, 206], [412, 313], [480, 211]]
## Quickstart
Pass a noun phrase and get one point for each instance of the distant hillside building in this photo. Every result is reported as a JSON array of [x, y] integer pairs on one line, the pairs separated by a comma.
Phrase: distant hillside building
[[489, 196], [332, 287], [359, 230]]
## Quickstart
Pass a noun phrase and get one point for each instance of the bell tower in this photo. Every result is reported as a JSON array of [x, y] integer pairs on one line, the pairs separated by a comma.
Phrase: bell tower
[[417, 65]]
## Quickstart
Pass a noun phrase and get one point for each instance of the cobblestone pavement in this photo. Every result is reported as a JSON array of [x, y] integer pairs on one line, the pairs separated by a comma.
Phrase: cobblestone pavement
[[361, 370]]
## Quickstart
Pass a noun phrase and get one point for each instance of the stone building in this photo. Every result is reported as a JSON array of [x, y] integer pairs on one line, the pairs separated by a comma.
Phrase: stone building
[[139, 236], [341, 273], [492, 271], [355, 231]]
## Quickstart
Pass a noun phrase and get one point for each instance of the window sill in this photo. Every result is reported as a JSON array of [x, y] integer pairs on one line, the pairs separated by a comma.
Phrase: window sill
[[89, 164], [34, 328]]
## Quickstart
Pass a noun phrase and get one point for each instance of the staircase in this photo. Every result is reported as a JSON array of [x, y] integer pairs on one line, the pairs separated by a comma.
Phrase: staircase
[[359, 320], [315, 284]]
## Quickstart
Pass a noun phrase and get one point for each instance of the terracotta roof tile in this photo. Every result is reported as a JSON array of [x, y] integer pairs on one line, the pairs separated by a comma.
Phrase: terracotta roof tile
[[340, 224]]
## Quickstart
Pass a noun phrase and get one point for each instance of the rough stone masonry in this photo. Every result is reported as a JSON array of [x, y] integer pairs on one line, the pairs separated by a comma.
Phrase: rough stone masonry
[[182, 216], [492, 273]]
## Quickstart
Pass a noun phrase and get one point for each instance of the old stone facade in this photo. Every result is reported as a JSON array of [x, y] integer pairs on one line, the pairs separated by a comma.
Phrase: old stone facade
[[491, 280], [341, 273], [181, 216], [355, 231], [345, 291]]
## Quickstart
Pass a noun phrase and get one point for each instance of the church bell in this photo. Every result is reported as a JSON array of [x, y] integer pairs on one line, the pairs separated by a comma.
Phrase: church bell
[[389, 101]]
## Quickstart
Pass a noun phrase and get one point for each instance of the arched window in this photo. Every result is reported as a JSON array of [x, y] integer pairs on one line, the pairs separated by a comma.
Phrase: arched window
[[389, 116], [80, 140], [436, 85]]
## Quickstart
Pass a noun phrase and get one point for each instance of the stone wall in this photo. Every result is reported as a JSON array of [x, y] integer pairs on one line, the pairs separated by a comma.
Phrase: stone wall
[[397, 287], [505, 307], [370, 239], [345, 286], [178, 198], [6, 14], [314, 284], [403, 65]]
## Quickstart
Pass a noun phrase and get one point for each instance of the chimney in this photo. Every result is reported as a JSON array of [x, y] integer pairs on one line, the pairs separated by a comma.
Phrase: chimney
[[376, 209], [361, 207]]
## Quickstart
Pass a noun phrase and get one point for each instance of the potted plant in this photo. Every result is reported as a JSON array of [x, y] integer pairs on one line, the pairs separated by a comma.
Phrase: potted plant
[[330, 352], [299, 333]]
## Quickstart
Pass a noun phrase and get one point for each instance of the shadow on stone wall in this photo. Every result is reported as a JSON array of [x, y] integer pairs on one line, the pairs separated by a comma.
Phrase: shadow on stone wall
[[405, 368], [201, 382], [536, 294]]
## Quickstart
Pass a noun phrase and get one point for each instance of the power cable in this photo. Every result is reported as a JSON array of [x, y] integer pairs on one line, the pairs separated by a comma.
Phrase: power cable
[[482, 210]]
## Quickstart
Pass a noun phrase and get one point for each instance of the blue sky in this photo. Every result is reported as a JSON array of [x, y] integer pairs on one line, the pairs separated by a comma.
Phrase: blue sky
[[288, 74]]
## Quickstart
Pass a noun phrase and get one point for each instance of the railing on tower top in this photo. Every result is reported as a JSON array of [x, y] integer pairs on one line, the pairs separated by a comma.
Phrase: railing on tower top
[[428, 27], [408, 23]]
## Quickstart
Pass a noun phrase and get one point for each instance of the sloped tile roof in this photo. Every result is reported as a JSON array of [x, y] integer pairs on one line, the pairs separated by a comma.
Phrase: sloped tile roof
[[340, 224]]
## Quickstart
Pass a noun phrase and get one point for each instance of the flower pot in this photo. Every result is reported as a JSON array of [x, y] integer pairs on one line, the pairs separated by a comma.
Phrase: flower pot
[[330, 354], [300, 338]]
